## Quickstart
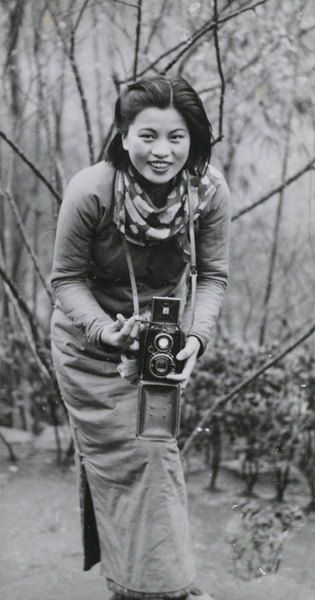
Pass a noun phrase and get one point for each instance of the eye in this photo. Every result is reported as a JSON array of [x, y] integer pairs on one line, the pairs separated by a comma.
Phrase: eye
[[147, 136], [177, 137]]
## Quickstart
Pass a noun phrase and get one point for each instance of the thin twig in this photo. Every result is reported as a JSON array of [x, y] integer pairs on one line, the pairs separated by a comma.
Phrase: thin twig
[[24, 235], [220, 402], [32, 166], [12, 455], [155, 26], [138, 34], [70, 53], [34, 327], [308, 167], [220, 70], [275, 242], [230, 77], [25, 330], [206, 29], [199, 32], [126, 3], [84, 5], [105, 143], [40, 352]]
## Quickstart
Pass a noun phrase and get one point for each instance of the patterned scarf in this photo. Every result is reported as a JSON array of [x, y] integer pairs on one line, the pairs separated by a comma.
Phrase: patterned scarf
[[143, 223]]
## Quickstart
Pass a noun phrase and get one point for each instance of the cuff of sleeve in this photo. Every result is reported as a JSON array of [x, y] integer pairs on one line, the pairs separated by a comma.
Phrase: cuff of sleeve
[[201, 341], [105, 347]]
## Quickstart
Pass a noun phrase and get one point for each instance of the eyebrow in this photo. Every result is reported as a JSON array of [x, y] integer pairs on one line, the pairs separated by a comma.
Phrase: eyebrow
[[172, 131]]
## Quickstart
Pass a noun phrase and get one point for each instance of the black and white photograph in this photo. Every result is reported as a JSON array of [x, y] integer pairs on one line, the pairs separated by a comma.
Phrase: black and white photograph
[[157, 281]]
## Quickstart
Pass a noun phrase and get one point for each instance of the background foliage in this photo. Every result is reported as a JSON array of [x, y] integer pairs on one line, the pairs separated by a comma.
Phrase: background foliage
[[62, 65]]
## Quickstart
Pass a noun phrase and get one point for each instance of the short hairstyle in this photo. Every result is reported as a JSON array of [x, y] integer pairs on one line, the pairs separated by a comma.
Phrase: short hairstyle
[[163, 92]]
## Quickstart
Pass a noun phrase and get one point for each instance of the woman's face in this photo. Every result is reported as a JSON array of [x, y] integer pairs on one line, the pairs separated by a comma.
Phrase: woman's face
[[158, 143]]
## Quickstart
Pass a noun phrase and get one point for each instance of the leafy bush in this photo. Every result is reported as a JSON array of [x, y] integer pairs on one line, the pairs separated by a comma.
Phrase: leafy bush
[[269, 424], [257, 536], [27, 396]]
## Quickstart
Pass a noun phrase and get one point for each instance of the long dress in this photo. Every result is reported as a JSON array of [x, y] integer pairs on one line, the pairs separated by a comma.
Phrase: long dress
[[132, 491]]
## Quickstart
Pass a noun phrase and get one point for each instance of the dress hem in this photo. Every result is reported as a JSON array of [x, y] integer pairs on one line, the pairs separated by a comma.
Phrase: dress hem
[[137, 595]]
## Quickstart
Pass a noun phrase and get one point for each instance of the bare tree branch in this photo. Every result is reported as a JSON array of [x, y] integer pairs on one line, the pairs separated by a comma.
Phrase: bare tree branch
[[208, 28], [126, 3], [105, 143], [41, 354], [138, 34], [188, 44], [308, 167], [220, 402], [220, 71], [26, 241], [23, 325], [275, 242], [230, 77], [34, 327], [12, 455], [80, 15], [157, 60], [32, 166], [70, 53], [154, 26]]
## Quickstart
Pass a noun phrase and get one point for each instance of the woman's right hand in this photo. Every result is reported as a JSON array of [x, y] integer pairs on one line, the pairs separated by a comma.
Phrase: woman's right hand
[[121, 333]]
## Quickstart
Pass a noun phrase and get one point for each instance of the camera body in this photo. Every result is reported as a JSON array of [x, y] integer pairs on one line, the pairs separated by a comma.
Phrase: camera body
[[160, 341]]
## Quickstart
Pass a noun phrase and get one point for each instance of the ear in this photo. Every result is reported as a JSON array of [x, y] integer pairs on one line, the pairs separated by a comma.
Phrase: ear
[[124, 141]]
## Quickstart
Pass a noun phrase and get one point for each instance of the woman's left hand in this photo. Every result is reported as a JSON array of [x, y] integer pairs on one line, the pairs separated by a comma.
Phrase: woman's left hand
[[189, 354]]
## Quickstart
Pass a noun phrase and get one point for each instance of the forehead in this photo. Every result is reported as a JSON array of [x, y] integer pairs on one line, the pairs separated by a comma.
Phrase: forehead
[[159, 118]]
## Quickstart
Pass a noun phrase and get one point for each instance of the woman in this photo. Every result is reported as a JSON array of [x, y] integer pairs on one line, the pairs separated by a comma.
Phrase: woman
[[132, 490]]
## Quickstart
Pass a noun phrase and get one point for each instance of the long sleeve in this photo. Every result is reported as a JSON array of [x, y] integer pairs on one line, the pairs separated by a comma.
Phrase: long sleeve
[[212, 253], [84, 207]]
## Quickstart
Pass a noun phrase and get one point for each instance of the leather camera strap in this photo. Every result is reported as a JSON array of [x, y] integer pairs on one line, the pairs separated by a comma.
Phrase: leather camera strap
[[135, 296], [192, 191], [193, 267]]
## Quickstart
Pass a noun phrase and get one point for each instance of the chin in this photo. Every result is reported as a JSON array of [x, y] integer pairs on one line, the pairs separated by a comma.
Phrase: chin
[[159, 177]]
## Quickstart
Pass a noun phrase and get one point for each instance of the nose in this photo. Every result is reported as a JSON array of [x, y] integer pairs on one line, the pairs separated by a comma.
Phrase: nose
[[161, 148]]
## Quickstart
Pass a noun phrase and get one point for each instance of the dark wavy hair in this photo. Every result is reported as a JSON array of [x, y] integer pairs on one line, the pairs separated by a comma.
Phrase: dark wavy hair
[[163, 92]]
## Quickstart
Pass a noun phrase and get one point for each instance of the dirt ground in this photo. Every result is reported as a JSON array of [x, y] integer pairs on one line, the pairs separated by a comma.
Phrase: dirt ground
[[40, 535]]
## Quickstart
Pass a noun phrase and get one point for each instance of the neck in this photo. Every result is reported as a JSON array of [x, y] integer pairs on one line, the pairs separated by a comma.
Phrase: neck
[[157, 192]]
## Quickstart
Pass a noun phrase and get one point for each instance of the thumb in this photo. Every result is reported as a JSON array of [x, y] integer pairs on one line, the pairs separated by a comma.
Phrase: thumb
[[119, 323], [183, 354], [191, 347]]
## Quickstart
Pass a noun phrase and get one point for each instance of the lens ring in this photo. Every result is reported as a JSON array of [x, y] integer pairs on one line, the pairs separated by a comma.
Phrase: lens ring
[[163, 342], [155, 364]]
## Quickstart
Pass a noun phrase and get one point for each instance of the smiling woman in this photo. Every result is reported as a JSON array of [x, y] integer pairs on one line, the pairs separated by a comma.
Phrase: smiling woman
[[158, 143], [136, 212]]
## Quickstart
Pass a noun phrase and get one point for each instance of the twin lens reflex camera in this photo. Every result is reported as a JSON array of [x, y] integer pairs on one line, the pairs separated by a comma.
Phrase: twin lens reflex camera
[[159, 398]]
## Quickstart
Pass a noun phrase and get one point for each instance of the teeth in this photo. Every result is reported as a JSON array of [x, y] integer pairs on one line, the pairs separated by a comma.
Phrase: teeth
[[159, 165]]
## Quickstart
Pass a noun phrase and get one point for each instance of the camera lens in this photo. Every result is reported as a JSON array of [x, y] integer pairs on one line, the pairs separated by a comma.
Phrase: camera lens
[[163, 341], [160, 365]]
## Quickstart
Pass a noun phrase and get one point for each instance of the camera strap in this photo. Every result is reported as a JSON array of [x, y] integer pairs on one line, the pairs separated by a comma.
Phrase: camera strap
[[193, 266], [135, 297], [192, 191]]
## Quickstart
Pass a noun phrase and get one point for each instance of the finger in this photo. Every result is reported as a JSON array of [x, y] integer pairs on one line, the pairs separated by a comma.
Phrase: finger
[[127, 327], [186, 372], [134, 346], [135, 330], [191, 348], [120, 319], [183, 354], [177, 376]]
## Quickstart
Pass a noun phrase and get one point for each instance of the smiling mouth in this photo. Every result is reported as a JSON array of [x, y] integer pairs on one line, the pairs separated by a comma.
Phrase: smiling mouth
[[159, 165]]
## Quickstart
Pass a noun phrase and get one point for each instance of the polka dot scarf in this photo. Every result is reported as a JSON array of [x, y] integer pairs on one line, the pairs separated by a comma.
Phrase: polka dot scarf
[[143, 223]]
